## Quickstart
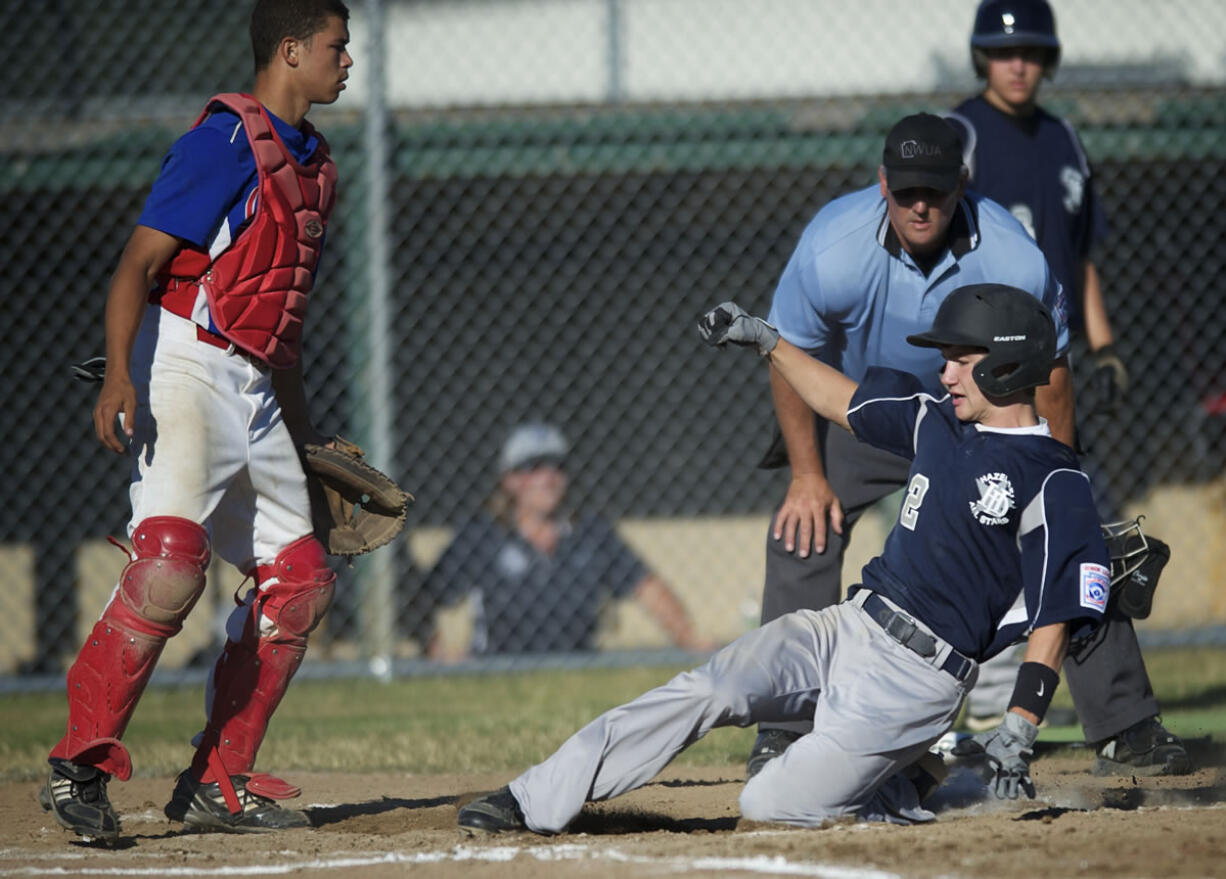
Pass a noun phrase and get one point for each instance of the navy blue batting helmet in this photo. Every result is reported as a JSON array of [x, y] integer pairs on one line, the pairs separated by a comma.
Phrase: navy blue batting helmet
[[1002, 24], [1014, 328]]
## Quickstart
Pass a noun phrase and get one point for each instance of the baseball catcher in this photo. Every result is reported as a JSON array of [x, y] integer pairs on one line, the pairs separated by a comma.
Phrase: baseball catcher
[[202, 391]]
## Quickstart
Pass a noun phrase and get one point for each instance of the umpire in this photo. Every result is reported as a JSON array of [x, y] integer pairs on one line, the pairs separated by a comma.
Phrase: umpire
[[871, 268]]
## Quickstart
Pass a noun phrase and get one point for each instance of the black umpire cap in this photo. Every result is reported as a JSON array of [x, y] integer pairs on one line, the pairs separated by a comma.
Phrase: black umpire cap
[[923, 151]]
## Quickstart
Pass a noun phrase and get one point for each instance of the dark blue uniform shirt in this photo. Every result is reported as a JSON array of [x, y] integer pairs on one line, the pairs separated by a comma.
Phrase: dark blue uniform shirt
[[997, 534], [1037, 168], [527, 601]]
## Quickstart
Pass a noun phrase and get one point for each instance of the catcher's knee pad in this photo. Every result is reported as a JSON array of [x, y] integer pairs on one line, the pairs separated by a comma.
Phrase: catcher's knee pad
[[296, 589], [165, 577]]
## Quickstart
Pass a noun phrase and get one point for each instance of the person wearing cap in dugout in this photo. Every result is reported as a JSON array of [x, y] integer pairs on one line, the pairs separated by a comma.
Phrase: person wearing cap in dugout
[[871, 268], [538, 573]]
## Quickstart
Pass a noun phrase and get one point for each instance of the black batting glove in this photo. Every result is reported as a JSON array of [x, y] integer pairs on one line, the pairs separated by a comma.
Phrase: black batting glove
[[1109, 379]]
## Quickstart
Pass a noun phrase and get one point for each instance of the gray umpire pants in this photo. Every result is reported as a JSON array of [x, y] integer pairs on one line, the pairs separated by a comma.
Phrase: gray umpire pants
[[1106, 677], [874, 705]]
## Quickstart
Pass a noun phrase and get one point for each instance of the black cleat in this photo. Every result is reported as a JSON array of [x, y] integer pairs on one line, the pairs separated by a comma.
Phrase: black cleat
[[498, 812], [76, 795], [927, 773], [769, 744], [1145, 748], [202, 807]]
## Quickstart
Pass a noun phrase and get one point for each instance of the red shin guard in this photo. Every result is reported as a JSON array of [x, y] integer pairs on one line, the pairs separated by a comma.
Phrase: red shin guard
[[157, 589], [253, 673]]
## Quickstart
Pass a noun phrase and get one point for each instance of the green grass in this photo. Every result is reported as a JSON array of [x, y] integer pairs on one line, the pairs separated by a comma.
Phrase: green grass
[[420, 725], [1190, 684], [492, 723]]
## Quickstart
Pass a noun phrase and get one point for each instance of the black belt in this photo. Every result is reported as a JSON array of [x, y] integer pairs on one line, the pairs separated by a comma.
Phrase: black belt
[[904, 630]]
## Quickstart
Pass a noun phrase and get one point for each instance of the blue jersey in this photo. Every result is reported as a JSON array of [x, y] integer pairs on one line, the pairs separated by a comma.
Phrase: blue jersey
[[526, 601], [850, 295], [208, 187], [997, 533], [1037, 169]]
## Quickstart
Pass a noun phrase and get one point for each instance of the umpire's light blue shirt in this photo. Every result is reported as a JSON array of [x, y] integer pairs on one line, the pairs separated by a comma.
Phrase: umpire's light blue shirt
[[851, 295]]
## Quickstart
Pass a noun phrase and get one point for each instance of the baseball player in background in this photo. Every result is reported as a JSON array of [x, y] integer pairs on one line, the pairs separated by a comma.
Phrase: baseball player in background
[[203, 340], [997, 538], [871, 268], [1032, 162]]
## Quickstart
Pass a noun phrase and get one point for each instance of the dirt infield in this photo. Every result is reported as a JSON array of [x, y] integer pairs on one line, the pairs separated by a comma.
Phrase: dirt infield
[[685, 823]]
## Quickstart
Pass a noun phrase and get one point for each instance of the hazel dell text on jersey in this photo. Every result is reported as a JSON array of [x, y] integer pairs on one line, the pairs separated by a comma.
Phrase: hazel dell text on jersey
[[1001, 514]]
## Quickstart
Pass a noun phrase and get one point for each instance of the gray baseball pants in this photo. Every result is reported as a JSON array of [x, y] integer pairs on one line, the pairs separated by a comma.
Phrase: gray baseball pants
[[874, 706], [1106, 677]]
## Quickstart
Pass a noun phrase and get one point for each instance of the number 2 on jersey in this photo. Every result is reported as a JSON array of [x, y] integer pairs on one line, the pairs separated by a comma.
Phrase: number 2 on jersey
[[916, 490]]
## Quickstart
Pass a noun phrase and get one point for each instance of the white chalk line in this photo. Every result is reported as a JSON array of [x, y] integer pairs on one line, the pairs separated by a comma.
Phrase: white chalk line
[[772, 865]]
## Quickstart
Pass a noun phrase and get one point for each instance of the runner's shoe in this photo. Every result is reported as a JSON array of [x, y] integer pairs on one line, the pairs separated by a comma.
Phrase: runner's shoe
[[927, 773], [769, 744], [498, 812]]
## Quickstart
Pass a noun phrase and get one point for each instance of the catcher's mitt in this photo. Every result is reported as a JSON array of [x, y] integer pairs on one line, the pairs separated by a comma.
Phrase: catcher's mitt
[[1137, 561], [356, 508]]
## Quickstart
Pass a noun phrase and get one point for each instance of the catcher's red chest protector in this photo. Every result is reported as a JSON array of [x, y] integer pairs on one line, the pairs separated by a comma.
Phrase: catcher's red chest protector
[[257, 288]]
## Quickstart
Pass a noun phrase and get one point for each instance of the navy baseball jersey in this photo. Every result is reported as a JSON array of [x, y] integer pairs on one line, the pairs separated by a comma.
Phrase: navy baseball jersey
[[1037, 169], [997, 534], [850, 295]]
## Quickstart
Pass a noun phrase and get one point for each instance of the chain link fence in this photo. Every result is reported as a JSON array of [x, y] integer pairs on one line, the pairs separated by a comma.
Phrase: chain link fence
[[567, 185]]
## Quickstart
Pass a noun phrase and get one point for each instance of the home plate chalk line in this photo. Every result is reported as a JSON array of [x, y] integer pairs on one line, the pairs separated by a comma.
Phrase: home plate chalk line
[[60, 863]]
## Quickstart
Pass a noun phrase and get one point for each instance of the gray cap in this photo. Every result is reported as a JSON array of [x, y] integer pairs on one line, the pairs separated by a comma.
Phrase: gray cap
[[531, 443]]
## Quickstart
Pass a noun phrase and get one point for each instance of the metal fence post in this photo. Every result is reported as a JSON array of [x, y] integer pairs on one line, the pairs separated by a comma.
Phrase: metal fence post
[[379, 575], [614, 49]]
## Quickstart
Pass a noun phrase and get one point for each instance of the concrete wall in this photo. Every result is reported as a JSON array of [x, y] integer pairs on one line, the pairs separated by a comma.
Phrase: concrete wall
[[715, 564], [497, 52]]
